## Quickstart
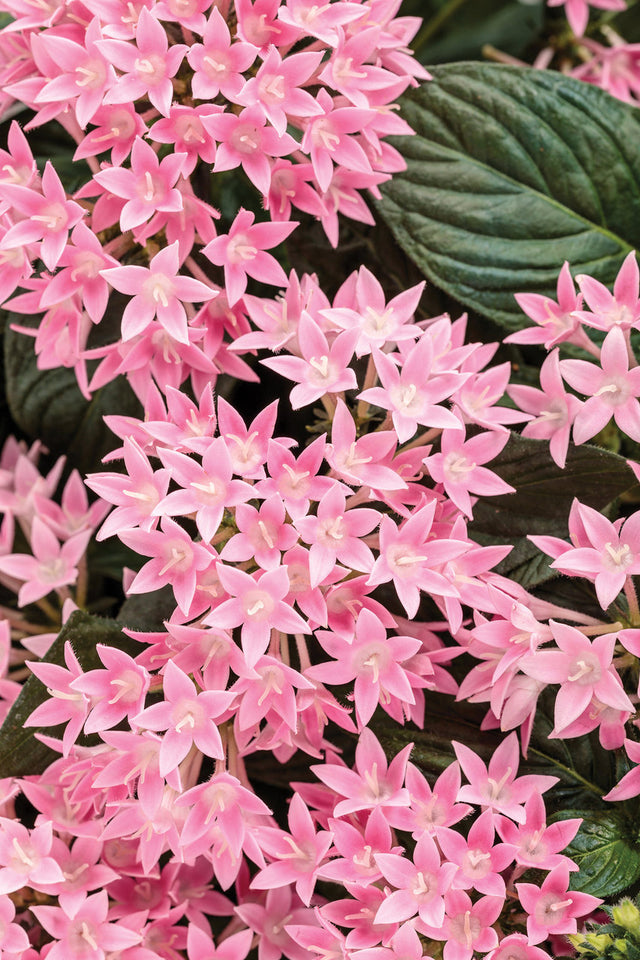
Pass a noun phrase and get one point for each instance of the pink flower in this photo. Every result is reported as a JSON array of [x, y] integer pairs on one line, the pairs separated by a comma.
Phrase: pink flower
[[618, 309], [577, 11], [498, 788], [81, 930], [582, 667], [607, 555], [322, 368], [187, 717], [52, 566], [552, 908], [241, 253], [148, 66], [457, 466], [258, 604], [25, 857], [148, 187], [218, 64], [421, 884], [556, 322], [612, 391]]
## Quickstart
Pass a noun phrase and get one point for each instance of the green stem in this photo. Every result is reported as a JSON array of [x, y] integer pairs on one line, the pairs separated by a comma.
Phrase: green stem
[[434, 25], [592, 787]]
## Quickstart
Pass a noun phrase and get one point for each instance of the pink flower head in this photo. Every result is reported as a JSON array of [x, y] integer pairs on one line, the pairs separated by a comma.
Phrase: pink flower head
[[219, 64], [583, 668], [25, 857], [577, 11], [553, 908], [157, 291], [612, 391], [241, 253], [420, 884], [498, 788], [148, 65], [258, 604], [148, 187], [608, 554], [321, 369], [618, 309], [556, 322], [81, 930], [52, 566]]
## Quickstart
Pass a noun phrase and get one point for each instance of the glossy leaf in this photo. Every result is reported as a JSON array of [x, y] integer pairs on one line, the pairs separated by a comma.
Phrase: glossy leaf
[[513, 171], [543, 498], [607, 852]]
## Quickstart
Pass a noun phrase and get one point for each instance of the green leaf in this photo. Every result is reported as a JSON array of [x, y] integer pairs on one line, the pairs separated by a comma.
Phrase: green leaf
[[607, 852], [513, 171], [48, 405], [543, 497], [21, 753], [506, 24]]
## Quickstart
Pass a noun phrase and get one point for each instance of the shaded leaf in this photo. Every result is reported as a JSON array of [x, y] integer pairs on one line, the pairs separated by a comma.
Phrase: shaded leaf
[[513, 171], [542, 501], [147, 611], [606, 850], [506, 24], [21, 753], [48, 405]]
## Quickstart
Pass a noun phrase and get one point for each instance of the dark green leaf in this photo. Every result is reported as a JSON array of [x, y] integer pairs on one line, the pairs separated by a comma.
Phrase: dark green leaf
[[147, 611], [607, 852], [21, 753], [513, 171], [506, 24], [543, 497], [48, 405]]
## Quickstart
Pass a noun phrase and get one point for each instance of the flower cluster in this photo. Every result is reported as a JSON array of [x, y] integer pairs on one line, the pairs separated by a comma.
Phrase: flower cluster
[[299, 96]]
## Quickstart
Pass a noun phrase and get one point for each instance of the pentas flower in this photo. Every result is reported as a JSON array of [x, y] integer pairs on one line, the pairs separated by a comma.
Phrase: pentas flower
[[25, 856], [412, 394], [583, 668], [218, 64], [263, 535], [553, 409], [517, 947], [618, 309], [358, 848], [421, 884], [116, 129], [606, 555], [148, 187], [241, 253], [372, 659], [157, 291], [297, 856], [553, 908], [258, 604], [361, 461], [497, 788], [81, 930], [557, 322], [457, 466], [373, 783], [188, 717], [322, 368], [479, 860], [408, 555], [534, 843], [52, 566], [612, 391], [276, 87], [577, 11], [467, 926], [185, 129], [116, 692], [48, 216], [148, 65], [431, 808]]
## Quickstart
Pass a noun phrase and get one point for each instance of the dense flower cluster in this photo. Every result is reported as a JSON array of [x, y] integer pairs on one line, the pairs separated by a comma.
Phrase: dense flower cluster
[[299, 96]]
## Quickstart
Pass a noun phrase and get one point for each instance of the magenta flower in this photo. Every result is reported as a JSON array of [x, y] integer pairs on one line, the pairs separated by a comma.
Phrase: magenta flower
[[241, 253], [556, 322], [618, 309]]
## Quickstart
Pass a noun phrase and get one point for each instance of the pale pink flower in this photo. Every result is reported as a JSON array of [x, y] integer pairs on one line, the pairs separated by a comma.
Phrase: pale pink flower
[[219, 64], [421, 884], [52, 565], [81, 930], [25, 856], [618, 309], [553, 908]]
